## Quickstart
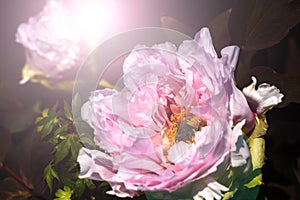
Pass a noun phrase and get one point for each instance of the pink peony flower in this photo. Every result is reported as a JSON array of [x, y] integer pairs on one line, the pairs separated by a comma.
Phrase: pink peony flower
[[176, 123], [60, 37]]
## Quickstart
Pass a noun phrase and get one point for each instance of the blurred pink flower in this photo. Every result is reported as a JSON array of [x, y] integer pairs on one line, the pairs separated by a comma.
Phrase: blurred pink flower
[[178, 118], [58, 39]]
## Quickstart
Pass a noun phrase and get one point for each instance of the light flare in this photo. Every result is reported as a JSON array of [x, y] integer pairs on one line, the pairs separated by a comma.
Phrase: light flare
[[94, 18]]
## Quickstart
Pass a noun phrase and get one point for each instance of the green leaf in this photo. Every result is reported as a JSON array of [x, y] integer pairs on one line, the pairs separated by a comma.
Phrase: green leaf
[[37, 107], [54, 114], [49, 116], [86, 137], [72, 165], [48, 177], [75, 151], [244, 186], [103, 184], [75, 145], [79, 187], [49, 174], [41, 121], [257, 180], [229, 195], [246, 193], [255, 25], [69, 179], [47, 128], [87, 141], [62, 150], [45, 112], [68, 111], [65, 194], [90, 184], [61, 129], [59, 193]]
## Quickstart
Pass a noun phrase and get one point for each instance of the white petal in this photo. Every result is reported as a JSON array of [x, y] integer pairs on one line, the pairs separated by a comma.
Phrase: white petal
[[212, 191], [119, 193], [240, 154], [264, 98]]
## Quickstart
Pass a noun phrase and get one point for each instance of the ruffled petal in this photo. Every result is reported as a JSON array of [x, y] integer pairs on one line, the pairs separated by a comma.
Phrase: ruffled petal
[[264, 98], [203, 38], [52, 45], [162, 54], [230, 56], [165, 94], [95, 165]]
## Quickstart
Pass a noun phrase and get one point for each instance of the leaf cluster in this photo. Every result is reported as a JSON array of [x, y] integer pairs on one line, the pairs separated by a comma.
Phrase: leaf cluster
[[56, 126]]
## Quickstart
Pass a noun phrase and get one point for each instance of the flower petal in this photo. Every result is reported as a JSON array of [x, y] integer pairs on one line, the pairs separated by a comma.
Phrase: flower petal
[[95, 165], [176, 153], [239, 107], [203, 38], [189, 93], [212, 191], [230, 56], [240, 154], [264, 98]]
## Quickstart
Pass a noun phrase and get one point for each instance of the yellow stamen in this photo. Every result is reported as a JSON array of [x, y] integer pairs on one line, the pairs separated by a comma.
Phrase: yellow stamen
[[182, 127]]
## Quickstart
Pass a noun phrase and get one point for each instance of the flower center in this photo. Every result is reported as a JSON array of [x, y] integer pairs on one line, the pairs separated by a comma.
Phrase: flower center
[[183, 127]]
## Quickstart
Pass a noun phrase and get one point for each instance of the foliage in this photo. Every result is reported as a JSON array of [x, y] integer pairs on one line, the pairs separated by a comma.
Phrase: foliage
[[64, 194], [57, 127]]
